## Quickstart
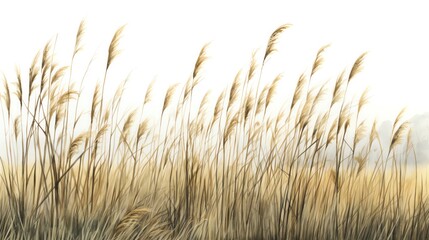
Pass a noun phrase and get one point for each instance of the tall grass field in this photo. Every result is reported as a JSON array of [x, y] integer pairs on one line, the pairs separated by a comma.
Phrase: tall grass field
[[230, 165]]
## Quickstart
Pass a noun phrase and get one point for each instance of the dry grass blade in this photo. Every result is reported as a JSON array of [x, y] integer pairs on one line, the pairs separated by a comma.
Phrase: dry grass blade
[[321, 122], [338, 93], [271, 46], [44, 78], [106, 115], [248, 105], [357, 66], [16, 127], [272, 89], [34, 71], [143, 127], [333, 176], [399, 134], [218, 107], [253, 66], [97, 140], [188, 89], [79, 35], [60, 113], [148, 95], [95, 101], [318, 98], [66, 97], [261, 100], [130, 221], [119, 92], [100, 134], [344, 116], [169, 94], [18, 91], [233, 93], [319, 60], [53, 94], [399, 118], [361, 160], [76, 143], [306, 110], [409, 140], [113, 47], [332, 132], [46, 59], [202, 57], [59, 74], [6, 95], [298, 90], [203, 103], [363, 100], [374, 134], [127, 124], [230, 128], [359, 134]]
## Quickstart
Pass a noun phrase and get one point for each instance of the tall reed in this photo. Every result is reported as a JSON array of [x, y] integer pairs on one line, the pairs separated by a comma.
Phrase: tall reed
[[229, 165]]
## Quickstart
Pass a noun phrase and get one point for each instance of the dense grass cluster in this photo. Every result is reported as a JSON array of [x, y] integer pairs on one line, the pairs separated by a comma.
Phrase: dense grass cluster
[[238, 169]]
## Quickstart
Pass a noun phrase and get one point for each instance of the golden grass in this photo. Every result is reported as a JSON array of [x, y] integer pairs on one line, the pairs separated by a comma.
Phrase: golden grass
[[80, 169]]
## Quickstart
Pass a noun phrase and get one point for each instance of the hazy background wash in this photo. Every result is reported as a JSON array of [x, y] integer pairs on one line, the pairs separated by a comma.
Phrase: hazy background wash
[[163, 38]]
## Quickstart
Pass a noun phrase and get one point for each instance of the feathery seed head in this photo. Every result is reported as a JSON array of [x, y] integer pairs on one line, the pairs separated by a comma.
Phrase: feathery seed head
[[113, 47], [271, 46], [357, 66], [319, 60]]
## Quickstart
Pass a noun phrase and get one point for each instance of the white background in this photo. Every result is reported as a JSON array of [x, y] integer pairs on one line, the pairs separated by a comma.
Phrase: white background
[[163, 38]]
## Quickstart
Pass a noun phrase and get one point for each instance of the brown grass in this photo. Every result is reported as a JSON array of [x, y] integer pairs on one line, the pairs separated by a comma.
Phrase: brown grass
[[242, 168]]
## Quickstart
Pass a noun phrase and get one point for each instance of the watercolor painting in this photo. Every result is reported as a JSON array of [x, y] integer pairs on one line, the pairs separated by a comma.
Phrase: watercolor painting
[[214, 120]]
